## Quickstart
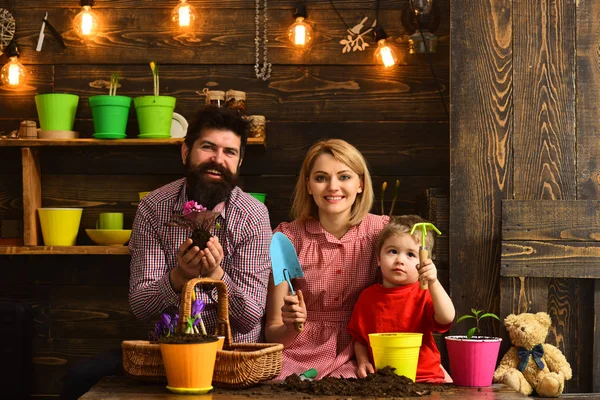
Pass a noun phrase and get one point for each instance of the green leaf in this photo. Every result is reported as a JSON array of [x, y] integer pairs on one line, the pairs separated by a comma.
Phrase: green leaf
[[474, 311], [477, 312], [490, 315], [471, 332], [464, 317]]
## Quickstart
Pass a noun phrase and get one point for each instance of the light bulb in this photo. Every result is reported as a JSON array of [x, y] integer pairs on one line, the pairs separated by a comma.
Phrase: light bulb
[[13, 74], [385, 54], [300, 33], [86, 23], [184, 15]]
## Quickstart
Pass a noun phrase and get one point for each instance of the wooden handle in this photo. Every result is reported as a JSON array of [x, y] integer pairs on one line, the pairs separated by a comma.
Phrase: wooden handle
[[298, 326], [423, 255]]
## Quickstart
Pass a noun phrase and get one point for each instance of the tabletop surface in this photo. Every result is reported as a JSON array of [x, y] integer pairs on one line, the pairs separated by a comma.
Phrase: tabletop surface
[[119, 387]]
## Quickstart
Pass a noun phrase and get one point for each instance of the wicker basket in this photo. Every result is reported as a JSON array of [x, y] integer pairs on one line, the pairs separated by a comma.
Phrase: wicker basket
[[237, 365]]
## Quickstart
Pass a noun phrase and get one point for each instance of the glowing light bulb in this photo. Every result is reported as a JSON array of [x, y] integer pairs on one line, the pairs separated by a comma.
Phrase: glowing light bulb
[[300, 33], [385, 54], [86, 23], [184, 15], [13, 74]]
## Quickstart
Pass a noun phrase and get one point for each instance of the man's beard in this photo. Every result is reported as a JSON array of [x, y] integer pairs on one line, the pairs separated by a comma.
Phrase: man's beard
[[207, 191]]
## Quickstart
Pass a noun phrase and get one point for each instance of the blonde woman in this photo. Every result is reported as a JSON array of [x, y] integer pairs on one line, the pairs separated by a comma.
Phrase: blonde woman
[[335, 238]]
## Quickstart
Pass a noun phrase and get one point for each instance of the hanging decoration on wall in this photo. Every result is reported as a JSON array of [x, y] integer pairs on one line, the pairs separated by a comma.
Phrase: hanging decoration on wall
[[263, 72], [354, 41], [184, 15], [7, 28], [54, 32], [419, 19], [86, 24], [300, 33], [13, 75]]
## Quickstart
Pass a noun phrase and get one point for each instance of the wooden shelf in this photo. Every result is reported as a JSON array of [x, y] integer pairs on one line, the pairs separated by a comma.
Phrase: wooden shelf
[[98, 142], [38, 250]]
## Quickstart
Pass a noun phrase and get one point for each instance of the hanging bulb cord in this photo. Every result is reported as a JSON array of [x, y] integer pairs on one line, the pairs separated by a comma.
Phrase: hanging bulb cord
[[430, 61]]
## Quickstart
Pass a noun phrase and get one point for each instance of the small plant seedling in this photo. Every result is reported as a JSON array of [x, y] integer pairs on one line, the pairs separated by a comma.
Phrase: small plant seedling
[[478, 316]]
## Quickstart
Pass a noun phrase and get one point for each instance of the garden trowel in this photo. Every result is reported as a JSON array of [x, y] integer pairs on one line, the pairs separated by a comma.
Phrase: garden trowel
[[285, 265]]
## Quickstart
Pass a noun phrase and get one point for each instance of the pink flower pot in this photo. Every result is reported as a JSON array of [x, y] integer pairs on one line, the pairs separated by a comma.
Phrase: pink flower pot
[[472, 361]]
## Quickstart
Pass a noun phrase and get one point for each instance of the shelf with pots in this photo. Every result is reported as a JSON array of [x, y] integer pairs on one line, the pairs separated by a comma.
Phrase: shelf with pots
[[101, 142]]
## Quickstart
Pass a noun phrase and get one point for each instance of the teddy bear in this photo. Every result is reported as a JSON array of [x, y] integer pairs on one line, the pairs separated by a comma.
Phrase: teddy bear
[[531, 364]]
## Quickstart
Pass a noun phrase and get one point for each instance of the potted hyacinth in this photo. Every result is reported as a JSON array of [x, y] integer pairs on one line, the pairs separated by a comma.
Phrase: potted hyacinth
[[188, 352], [154, 113], [198, 221], [473, 358], [110, 112]]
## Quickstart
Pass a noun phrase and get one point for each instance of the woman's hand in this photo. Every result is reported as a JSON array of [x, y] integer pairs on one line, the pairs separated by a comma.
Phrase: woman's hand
[[293, 310]]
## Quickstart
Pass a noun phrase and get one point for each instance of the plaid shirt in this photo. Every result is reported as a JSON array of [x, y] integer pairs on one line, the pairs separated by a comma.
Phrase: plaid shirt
[[245, 235]]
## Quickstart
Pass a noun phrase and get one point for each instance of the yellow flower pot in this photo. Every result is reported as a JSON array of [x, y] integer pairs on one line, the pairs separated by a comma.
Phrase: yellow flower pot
[[189, 367], [397, 350]]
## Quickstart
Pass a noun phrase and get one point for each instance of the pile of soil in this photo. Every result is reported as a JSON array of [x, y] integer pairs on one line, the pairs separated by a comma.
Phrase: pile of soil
[[384, 383]]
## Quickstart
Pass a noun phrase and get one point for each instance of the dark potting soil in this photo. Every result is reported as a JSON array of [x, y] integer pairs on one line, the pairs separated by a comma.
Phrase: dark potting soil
[[179, 338], [384, 384]]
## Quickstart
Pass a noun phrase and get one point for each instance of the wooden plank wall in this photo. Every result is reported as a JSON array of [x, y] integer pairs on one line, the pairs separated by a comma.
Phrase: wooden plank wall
[[394, 117], [527, 133]]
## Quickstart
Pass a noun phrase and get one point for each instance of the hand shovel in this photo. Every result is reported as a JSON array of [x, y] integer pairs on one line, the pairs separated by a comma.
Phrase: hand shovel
[[285, 265], [423, 251]]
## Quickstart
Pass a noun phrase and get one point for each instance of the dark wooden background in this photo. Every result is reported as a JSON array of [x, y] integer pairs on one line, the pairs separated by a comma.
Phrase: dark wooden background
[[394, 117], [525, 81]]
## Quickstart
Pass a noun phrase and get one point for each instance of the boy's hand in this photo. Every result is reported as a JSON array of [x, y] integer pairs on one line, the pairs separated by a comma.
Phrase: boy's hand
[[428, 272], [293, 310], [363, 369]]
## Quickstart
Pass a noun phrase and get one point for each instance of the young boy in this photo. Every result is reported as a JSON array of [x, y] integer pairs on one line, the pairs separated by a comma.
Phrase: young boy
[[399, 304]]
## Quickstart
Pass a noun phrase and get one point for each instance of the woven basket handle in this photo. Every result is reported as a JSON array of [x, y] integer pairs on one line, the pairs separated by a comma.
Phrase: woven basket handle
[[222, 327]]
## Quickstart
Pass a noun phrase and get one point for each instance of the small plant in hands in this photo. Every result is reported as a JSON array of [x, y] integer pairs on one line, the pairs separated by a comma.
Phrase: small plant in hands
[[476, 314], [197, 220]]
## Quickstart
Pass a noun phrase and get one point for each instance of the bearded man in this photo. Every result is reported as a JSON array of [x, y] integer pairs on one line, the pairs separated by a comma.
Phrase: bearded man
[[163, 257]]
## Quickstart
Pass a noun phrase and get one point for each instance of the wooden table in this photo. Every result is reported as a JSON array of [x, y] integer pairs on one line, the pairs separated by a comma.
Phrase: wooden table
[[118, 387]]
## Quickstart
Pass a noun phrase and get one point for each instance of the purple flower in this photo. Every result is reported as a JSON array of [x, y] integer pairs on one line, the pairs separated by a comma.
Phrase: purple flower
[[192, 207], [197, 307]]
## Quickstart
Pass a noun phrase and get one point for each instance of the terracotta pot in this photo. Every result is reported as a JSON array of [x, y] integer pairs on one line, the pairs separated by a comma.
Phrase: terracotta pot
[[189, 367]]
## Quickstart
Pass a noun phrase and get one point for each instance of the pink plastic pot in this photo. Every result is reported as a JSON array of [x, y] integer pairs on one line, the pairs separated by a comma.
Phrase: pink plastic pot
[[472, 361]]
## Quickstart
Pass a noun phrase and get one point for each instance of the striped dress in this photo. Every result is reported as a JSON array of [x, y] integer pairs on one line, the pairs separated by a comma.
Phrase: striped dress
[[335, 273]]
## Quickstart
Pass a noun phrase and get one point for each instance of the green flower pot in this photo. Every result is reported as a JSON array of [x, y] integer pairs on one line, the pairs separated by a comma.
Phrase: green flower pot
[[110, 115], [155, 115], [56, 111]]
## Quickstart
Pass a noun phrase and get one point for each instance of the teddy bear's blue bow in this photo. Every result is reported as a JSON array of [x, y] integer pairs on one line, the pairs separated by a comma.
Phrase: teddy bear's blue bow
[[537, 353]]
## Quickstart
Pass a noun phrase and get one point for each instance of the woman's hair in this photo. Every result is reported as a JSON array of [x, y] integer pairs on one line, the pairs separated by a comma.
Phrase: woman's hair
[[219, 118], [403, 225], [304, 206]]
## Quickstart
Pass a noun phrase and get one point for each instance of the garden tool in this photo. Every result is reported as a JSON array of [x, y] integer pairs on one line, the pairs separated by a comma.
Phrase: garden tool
[[423, 252], [285, 265]]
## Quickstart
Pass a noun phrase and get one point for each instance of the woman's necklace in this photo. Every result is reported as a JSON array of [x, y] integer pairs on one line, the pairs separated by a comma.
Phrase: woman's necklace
[[263, 73]]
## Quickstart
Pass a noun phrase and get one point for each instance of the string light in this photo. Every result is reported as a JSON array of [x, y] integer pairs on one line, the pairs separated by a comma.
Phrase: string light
[[300, 33], [385, 54], [13, 75], [86, 23], [184, 15]]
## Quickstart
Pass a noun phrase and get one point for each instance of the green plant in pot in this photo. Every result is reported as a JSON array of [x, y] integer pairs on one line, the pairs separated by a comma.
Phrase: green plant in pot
[[188, 353], [473, 358], [110, 112], [154, 113]]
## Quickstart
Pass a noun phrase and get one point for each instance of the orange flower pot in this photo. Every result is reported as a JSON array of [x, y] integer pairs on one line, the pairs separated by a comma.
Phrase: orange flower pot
[[189, 367]]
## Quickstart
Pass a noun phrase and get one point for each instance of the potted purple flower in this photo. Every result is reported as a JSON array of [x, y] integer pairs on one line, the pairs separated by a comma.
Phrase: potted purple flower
[[188, 352], [198, 221]]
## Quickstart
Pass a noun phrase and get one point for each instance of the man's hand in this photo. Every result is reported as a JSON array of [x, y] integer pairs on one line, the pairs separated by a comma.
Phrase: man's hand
[[210, 259], [188, 265]]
